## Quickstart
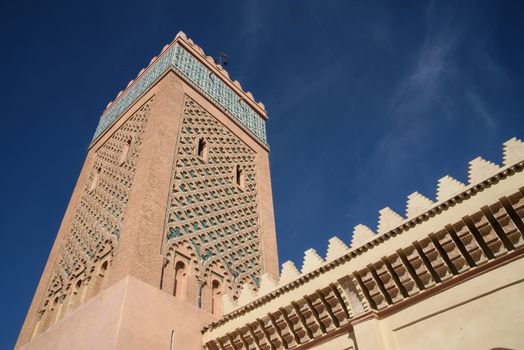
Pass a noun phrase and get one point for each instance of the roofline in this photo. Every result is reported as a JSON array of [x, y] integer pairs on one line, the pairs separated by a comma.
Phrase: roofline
[[438, 208], [208, 61]]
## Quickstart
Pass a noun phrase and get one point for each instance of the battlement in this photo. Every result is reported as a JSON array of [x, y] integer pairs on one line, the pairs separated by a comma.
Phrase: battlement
[[449, 191], [189, 62]]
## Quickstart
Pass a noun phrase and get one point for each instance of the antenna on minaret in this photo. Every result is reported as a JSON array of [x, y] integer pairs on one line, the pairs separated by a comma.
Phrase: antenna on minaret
[[222, 59]]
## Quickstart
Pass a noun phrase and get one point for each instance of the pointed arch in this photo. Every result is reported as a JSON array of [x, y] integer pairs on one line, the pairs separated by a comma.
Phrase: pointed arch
[[99, 275], [202, 148], [181, 275], [96, 178], [216, 297], [50, 312], [75, 298], [125, 151], [240, 176]]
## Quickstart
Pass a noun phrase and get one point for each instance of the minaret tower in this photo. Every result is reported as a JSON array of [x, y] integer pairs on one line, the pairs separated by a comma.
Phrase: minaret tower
[[172, 209]]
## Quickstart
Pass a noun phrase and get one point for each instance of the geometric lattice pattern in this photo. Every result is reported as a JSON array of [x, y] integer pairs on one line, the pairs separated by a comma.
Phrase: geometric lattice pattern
[[94, 230], [207, 208]]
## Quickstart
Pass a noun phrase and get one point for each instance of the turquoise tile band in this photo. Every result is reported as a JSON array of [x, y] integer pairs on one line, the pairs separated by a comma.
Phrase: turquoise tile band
[[201, 78]]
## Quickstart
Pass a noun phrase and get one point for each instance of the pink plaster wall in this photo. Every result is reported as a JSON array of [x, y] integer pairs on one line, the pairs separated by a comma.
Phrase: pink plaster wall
[[129, 315]]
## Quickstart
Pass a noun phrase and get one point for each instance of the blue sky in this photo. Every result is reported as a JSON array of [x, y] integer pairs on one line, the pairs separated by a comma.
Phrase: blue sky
[[368, 101]]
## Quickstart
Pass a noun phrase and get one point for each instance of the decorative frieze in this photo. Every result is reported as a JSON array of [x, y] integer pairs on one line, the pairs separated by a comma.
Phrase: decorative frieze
[[197, 74]]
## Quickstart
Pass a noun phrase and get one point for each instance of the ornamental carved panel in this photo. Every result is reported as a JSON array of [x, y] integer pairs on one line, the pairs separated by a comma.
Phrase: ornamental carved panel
[[212, 210], [94, 231]]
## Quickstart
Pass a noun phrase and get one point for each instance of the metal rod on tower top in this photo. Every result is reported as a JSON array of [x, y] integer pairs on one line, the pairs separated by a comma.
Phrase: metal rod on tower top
[[222, 59]]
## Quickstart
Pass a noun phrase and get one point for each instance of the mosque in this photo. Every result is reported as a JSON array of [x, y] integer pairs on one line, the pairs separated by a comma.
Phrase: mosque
[[168, 241]]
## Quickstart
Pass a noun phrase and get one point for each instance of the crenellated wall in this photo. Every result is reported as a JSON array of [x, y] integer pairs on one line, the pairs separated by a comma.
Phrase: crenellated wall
[[468, 231]]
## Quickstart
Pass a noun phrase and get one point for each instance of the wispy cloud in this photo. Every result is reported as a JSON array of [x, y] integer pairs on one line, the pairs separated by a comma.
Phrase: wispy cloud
[[251, 29], [481, 110], [446, 80], [436, 80], [421, 97], [423, 84]]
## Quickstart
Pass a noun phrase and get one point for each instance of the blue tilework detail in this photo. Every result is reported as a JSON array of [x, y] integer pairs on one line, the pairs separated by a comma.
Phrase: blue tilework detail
[[198, 75], [218, 91], [140, 86]]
